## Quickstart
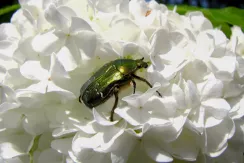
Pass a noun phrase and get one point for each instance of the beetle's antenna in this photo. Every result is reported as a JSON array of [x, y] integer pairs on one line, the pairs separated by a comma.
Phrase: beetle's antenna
[[142, 58]]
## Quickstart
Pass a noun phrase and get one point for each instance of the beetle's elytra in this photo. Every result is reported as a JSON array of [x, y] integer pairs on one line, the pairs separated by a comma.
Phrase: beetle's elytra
[[108, 80]]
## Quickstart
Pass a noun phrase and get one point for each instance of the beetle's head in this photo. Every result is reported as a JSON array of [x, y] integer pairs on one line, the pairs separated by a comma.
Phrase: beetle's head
[[141, 64]]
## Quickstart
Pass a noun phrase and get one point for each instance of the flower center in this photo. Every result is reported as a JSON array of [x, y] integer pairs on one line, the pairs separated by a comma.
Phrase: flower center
[[148, 13]]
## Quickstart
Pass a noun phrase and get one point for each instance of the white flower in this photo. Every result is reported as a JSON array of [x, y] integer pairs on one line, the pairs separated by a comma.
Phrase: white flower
[[193, 111], [9, 38]]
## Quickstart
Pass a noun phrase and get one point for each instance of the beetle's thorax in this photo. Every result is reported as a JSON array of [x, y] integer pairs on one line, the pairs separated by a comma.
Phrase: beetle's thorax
[[128, 66]]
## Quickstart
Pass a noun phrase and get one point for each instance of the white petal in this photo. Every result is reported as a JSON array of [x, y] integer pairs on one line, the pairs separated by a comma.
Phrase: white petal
[[186, 146], [231, 154], [211, 89], [232, 89], [211, 121], [87, 42], [12, 146], [79, 24], [205, 46], [139, 131], [57, 70], [11, 120], [8, 31], [67, 11], [107, 5], [44, 140], [101, 120], [25, 51], [92, 142], [238, 138], [56, 18], [240, 66], [220, 38], [2, 72], [155, 76], [50, 155], [126, 144], [133, 50], [217, 141], [172, 57], [132, 100], [88, 155], [110, 140], [35, 123], [87, 128], [124, 7], [139, 155], [195, 70], [58, 132], [30, 98], [163, 107], [134, 116], [196, 119], [155, 151], [149, 93], [7, 49], [167, 132], [199, 22], [138, 9], [25, 27], [21, 159], [179, 96], [131, 30], [223, 67], [47, 43], [66, 57], [171, 131], [33, 70], [240, 112], [62, 145], [40, 87], [192, 96], [66, 95], [160, 42], [8, 150], [169, 104], [218, 107]]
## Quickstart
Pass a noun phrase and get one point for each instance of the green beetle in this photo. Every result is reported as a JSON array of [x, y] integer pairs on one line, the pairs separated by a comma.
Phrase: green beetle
[[108, 80]]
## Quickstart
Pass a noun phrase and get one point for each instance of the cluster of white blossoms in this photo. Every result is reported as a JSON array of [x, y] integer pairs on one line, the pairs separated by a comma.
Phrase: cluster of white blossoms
[[52, 47]]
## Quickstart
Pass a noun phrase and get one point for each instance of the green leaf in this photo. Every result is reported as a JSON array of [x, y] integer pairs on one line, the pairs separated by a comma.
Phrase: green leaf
[[7, 12], [221, 18]]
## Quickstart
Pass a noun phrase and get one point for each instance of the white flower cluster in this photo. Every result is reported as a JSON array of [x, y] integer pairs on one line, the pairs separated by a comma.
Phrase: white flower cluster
[[52, 47]]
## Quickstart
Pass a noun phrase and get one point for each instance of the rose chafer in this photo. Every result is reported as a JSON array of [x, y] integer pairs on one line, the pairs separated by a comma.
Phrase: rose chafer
[[108, 80]]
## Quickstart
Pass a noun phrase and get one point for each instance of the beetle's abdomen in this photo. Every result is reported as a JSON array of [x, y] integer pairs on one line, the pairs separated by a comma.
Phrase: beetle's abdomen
[[93, 98], [100, 86]]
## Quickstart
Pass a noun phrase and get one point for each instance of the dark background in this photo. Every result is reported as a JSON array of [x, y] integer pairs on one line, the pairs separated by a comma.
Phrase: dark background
[[207, 3], [7, 2], [200, 3]]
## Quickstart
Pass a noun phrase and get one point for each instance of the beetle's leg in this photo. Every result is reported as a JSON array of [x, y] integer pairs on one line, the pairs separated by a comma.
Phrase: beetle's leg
[[134, 85], [116, 91], [144, 80]]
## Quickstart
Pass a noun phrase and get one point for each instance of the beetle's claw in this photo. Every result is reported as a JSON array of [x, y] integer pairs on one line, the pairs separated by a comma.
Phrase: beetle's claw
[[159, 94], [80, 99]]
